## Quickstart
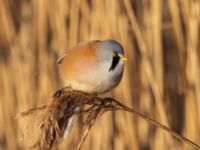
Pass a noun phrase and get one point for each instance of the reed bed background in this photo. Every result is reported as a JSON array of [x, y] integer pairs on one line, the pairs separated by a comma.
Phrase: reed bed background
[[161, 79]]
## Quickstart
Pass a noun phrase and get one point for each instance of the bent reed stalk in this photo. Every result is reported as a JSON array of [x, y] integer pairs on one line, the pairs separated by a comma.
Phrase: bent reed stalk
[[63, 106]]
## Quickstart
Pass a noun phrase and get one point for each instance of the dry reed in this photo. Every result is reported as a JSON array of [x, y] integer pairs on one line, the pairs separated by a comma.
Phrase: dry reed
[[64, 106]]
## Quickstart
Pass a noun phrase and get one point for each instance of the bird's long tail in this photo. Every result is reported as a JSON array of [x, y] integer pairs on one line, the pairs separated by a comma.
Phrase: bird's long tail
[[69, 127]]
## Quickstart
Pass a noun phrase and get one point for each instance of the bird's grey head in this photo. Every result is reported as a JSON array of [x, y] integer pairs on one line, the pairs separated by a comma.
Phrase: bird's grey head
[[111, 52], [110, 46]]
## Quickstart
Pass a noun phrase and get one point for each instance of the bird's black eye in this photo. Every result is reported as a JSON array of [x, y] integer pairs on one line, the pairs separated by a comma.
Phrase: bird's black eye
[[115, 61]]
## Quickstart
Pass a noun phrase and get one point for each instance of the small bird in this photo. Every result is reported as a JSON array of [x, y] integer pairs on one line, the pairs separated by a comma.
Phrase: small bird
[[93, 67]]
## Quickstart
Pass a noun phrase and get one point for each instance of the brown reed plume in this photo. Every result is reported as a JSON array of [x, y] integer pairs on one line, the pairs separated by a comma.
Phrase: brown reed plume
[[64, 106]]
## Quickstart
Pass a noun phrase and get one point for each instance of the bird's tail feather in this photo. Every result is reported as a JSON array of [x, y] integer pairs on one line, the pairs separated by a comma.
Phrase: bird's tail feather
[[69, 127]]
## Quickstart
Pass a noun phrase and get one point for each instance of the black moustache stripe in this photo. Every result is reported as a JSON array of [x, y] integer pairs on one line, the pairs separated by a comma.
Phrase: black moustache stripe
[[115, 61]]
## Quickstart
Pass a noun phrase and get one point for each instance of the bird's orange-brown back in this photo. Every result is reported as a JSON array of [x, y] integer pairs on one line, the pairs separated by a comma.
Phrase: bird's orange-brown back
[[85, 55]]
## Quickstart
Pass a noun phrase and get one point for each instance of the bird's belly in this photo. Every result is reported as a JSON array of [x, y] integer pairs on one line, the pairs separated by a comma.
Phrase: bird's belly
[[98, 85], [82, 86]]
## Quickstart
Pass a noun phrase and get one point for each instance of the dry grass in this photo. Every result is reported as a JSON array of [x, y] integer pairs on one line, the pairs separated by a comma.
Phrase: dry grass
[[162, 77], [68, 103]]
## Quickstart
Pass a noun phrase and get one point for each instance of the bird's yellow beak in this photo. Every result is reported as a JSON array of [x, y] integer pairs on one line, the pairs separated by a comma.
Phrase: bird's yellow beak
[[123, 58]]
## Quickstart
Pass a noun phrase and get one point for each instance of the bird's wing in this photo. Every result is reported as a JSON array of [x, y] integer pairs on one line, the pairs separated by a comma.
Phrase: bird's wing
[[60, 60], [80, 45]]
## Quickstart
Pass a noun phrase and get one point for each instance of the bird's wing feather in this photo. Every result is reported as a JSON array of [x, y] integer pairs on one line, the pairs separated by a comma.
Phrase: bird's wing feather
[[80, 45], [60, 60], [79, 62]]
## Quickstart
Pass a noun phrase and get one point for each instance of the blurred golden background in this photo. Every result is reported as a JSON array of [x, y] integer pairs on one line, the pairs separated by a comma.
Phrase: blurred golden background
[[161, 80]]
